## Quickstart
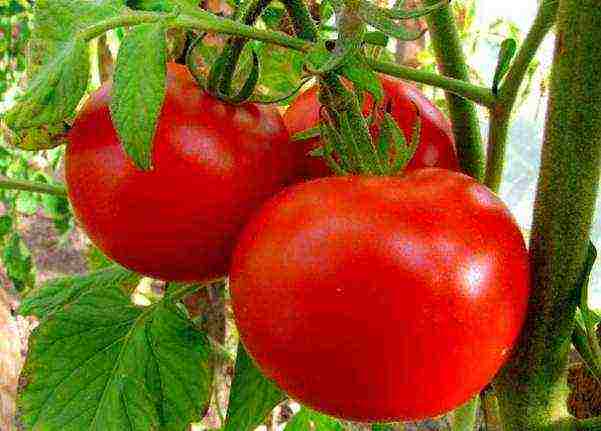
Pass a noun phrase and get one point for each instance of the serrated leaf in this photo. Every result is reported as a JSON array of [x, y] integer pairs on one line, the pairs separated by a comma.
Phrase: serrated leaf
[[506, 53], [139, 90], [252, 395], [97, 362], [55, 91], [57, 21], [60, 292], [307, 419]]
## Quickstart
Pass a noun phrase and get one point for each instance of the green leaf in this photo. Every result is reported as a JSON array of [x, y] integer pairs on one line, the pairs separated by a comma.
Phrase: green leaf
[[139, 90], [307, 419], [252, 396], [506, 53], [97, 362], [376, 38], [18, 263], [57, 21], [59, 292], [6, 225], [96, 259], [55, 91], [27, 203]]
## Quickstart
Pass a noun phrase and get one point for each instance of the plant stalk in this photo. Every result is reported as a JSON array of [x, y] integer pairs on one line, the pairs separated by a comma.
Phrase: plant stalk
[[458, 87], [32, 186], [532, 388], [500, 113], [206, 21], [451, 62]]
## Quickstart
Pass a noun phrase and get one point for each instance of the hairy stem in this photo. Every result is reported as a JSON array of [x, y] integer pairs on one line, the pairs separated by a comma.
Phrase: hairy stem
[[451, 62], [480, 95], [199, 20], [32, 186], [532, 388], [205, 21], [501, 112]]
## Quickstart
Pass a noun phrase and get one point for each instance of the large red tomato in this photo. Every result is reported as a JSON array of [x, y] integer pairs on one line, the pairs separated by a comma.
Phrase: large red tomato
[[379, 298], [436, 148], [214, 164]]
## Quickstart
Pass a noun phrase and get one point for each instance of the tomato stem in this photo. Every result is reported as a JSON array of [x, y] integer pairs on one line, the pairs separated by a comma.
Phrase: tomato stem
[[32, 186], [500, 112], [532, 388], [206, 21], [451, 62]]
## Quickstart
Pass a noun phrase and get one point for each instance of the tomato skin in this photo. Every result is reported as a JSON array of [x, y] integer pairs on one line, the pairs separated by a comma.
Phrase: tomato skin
[[213, 165], [380, 298], [436, 148]]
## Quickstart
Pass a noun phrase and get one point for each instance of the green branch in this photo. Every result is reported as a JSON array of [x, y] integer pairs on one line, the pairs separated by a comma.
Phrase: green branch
[[31, 186], [451, 62], [532, 388], [206, 21], [501, 112], [199, 20], [475, 93]]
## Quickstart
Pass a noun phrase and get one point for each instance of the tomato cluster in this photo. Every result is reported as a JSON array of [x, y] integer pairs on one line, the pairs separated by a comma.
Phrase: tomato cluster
[[368, 298]]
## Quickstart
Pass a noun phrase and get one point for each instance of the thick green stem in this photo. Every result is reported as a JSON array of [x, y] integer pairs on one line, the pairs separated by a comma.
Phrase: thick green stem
[[200, 20], [464, 417], [32, 186], [480, 95], [451, 62], [501, 112], [532, 388]]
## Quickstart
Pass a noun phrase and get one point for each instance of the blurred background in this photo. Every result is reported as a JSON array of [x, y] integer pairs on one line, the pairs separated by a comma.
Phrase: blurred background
[[40, 240]]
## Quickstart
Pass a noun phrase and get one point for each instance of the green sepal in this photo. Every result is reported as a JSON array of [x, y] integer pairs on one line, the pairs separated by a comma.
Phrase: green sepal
[[313, 132], [403, 152], [363, 77]]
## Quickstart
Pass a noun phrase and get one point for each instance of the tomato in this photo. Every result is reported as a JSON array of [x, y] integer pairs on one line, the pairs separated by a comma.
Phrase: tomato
[[214, 164], [381, 298], [436, 147]]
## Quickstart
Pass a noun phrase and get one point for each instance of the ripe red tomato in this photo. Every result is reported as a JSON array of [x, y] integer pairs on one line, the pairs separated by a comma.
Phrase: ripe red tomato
[[214, 164], [380, 298], [436, 148]]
